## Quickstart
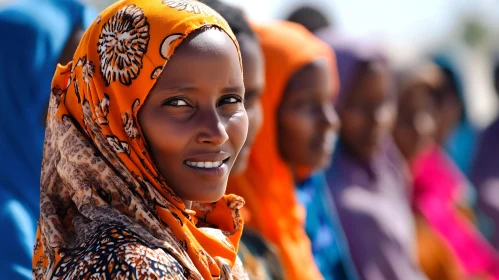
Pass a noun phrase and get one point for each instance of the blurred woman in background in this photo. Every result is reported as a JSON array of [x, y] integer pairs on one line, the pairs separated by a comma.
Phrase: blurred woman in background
[[439, 195], [367, 176], [259, 258], [38, 35], [415, 130], [296, 138], [307, 130]]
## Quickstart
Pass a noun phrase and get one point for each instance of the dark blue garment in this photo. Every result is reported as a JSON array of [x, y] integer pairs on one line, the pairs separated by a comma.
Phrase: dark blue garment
[[485, 178], [329, 246], [34, 34]]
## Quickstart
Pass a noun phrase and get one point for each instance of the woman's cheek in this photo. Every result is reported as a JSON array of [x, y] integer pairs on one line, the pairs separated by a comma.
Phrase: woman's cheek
[[237, 129]]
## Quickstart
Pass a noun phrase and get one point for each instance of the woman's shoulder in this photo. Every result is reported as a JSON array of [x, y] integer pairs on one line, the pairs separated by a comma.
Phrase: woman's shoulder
[[115, 252]]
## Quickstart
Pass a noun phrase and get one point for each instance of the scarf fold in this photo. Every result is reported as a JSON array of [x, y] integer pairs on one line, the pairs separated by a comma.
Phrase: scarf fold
[[268, 186], [96, 168]]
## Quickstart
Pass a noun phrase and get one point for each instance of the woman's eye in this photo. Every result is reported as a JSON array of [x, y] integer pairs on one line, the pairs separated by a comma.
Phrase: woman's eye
[[176, 103], [231, 100]]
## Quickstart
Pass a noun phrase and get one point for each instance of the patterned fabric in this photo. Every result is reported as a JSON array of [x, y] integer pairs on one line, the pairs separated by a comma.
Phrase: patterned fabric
[[268, 185], [105, 209], [113, 244], [323, 228]]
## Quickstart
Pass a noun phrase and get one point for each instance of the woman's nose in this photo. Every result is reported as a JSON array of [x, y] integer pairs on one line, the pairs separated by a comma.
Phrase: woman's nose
[[212, 130]]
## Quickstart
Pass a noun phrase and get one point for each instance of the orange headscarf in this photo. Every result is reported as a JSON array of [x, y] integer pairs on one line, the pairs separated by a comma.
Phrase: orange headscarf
[[267, 186], [97, 174]]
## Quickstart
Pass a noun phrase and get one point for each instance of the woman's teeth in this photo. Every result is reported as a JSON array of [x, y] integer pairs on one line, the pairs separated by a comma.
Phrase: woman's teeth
[[204, 164]]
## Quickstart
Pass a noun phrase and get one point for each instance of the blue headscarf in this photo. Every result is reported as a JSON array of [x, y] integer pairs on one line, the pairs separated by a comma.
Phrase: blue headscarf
[[34, 34], [322, 225], [461, 143]]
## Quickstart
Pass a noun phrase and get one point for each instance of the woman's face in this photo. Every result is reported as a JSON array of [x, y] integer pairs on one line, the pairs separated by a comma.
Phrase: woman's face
[[415, 127], [367, 113], [254, 78], [194, 120], [307, 121]]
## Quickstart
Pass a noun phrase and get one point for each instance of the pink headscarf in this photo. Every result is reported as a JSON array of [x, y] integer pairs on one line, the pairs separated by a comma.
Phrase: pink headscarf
[[438, 189]]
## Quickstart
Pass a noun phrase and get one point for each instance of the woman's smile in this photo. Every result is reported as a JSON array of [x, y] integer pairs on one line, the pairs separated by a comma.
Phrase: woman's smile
[[209, 164]]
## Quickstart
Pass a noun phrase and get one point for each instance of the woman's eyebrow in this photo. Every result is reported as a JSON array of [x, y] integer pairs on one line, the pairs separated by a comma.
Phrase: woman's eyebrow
[[177, 89], [233, 89]]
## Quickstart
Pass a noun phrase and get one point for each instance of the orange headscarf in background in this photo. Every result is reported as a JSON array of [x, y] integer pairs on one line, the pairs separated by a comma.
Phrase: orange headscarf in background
[[97, 171], [268, 186]]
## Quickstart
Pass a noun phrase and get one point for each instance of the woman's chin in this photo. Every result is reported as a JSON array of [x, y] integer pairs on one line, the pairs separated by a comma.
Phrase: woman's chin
[[208, 195]]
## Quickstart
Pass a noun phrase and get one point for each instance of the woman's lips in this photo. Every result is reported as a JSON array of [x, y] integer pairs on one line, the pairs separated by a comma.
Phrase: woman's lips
[[204, 164], [213, 165]]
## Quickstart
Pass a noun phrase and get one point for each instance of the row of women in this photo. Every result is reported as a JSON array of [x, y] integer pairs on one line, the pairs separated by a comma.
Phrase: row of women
[[159, 108]]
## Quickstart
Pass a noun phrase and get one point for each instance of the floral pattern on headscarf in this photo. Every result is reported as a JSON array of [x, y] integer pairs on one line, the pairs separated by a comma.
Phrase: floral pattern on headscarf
[[106, 212]]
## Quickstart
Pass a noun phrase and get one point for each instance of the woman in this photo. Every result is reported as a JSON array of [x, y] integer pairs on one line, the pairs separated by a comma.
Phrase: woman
[[415, 130], [259, 258], [307, 126], [368, 185], [268, 185], [439, 194], [143, 128], [38, 34]]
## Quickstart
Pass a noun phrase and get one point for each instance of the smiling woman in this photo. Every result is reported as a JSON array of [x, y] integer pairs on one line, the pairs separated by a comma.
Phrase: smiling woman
[[143, 128], [197, 105]]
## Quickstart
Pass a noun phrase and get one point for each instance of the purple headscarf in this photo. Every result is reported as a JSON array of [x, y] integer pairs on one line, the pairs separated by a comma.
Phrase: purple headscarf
[[372, 198], [351, 58]]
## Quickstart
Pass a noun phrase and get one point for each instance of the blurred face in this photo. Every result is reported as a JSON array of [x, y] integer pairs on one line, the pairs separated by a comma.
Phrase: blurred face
[[194, 120], [367, 113], [307, 121], [415, 127], [254, 77]]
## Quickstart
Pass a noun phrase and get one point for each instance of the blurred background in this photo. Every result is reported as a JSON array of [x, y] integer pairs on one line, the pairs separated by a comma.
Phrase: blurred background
[[467, 30], [464, 31]]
